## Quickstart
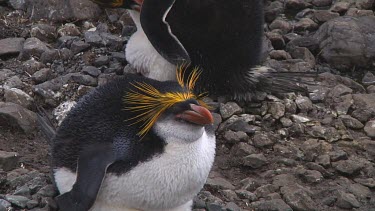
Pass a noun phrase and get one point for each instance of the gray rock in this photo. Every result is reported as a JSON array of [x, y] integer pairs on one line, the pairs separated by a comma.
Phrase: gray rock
[[47, 191], [14, 95], [19, 201], [274, 205], [369, 182], [297, 4], [215, 207], [360, 191], [298, 198], [113, 42], [350, 122], [101, 60], [322, 3], [5, 204], [311, 176], [42, 75], [228, 109], [49, 56], [91, 70], [93, 38], [219, 183], [322, 16], [354, 12], [327, 133], [60, 11], [262, 139], [119, 56], [264, 190], [348, 167], [273, 10], [280, 55], [276, 39], [8, 160], [11, 46], [304, 103], [255, 160], [13, 82], [31, 204], [22, 191], [340, 7], [323, 160], [229, 195], [5, 74], [234, 137], [368, 79], [284, 180], [241, 150], [364, 4], [305, 24], [79, 46], [276, 109], [370, 128], [300, 119], [231, 206], [281, 24], [347, 201], [69, 29], [286, 122], [357, 35], [31, 66], [18, 117], [371, 89], [304, 54], [85, 80], [309, 42], [244, 194], [44, 32], [33, 47], [338, 155]]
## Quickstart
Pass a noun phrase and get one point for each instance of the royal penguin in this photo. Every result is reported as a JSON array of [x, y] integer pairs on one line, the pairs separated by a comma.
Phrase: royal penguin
[[134, 144], [223, 38]]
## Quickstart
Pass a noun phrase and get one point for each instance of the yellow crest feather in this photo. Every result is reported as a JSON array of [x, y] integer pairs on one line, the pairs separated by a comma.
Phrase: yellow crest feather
[[150, 103]]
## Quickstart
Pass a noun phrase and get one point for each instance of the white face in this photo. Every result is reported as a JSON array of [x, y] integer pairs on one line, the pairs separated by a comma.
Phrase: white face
[[174, 130]]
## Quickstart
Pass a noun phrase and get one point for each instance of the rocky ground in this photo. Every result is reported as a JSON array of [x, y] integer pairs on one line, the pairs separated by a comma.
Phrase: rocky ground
[[291, 152]]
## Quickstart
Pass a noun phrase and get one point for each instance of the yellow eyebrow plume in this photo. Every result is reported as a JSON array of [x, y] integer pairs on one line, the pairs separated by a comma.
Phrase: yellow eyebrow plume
[[150, 103]]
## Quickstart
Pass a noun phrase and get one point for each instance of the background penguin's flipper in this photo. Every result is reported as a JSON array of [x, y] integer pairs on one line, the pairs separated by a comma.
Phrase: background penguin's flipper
[[158, 31], [92, 165]]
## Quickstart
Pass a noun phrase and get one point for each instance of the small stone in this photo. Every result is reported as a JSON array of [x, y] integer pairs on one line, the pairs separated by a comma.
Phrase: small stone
[[305, 24], [31, 66], [31, 204], [113, 42], [281, 24], [219, 183], [300, 119], [370, 128], [18, 117], [298, 198], [14, 82], [14, 95], [85, 80], [8, 160], [91, 70], [350, 122], [19, 201], [5, 203], [255, 160], [44, 32], [274, 205], [11, 46], [369, 182], [47, 191], [262, 139], [296, 4], [347, 201], [93, 38], [234, 137], [304, 103], [338, 155], [214, 207], [276, 109], [312, 176], [230, 195], [228, 109], [360, 191], [100, 61], [79, 46], [283, 180], [322, 3], [340, 7], [280, 55], [277, 40], [244, 194], [22, 191], [42, 75], [33, 47], [69, 29], [323, 160], [264, 190], [348, 167], [286, 122]]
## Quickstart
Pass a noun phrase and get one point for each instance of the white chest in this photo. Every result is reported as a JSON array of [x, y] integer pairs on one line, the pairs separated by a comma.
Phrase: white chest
[[143, 56], [165, 182]]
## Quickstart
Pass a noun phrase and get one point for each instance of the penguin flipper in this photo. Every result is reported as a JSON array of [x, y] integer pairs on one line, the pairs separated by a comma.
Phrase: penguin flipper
[[158, 31], [92, 165]]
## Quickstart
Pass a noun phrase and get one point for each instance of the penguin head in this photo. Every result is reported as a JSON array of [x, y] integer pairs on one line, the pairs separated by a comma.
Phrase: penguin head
[[127, 4], [170, 109]]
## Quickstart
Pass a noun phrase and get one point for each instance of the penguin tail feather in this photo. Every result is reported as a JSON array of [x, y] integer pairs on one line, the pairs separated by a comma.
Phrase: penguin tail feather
[[45, 123], [265, 79]]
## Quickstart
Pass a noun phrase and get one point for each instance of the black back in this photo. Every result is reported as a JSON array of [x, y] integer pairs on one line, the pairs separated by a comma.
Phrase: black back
[[223, 37], [99, 118]]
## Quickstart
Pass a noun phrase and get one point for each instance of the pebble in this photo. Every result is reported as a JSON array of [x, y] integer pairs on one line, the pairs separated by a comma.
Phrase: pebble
[[11, 46], [19, 201], [255, 160], [347, 201], [370, 128], [229, 109], [348, 167]]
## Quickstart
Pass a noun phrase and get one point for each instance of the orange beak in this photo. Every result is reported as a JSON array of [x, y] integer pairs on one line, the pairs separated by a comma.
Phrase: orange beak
[[197, 114]]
